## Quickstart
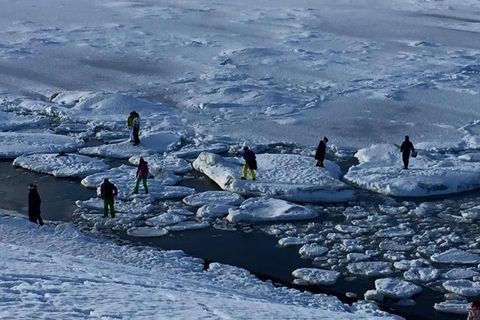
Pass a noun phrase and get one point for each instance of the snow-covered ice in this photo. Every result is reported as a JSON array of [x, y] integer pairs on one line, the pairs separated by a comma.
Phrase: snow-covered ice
[[136, 206], [269, 209], [380, 170], [67, 165], [286, 176], [213, 197], [210, 211], [427, 274], [159, 164], [315, 276], [456, 256], [312, 250], [396, 288], [14, 144], [463, 287], [370, 268]]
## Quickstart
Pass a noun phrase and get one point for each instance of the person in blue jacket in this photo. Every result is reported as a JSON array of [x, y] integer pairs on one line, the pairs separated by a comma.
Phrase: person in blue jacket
[[250, 163]]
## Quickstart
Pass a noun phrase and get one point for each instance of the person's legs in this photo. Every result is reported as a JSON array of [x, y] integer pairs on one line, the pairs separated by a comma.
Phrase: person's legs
[[244, 171], [105, 208], [135, 190], [145, 187], [136, 135], [112, 208], [40, 220], [254, 176], [131, 135], [405, 158]]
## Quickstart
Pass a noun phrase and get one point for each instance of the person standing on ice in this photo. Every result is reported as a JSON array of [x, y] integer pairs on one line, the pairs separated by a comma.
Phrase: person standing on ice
[[108, 191], [321, 151], [474, 310], [250, 163], [136, 128], [130, 124], [142, 174], [407, 149], [34, 203]]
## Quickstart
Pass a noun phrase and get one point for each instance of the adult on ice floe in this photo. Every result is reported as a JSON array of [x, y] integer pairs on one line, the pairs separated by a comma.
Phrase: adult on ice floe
[[136, 128], [108, 191], [321, 151], [474, 310], [130, 124], [34, 203], [142, 174], [250, 163], [407, 150]]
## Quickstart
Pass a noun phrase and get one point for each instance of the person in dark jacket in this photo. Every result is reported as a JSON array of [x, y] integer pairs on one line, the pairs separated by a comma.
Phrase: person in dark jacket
[[406, 149], [34, 203], [321, 151], [130, 124], [142, 174], [250, 163], [136, 128], [108, 191]]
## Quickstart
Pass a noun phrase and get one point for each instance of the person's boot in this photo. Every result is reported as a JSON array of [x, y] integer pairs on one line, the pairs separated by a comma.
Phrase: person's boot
[[243, 178]]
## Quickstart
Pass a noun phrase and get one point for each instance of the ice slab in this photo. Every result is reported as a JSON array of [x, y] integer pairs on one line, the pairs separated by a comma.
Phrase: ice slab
[[315, 276], [463, 287], [158, 164], [312, 250], [10, 121], [456, 256], [165, 219], [213, 197], [136, 206], [427, 274], [370, 268], [452, 306], [380, 170], [291, 241], [147, 232], [188, 225], [460, 273], [14, 144], [285, 176], [396, 288], [210, 211], [269, 209], [151, 143], [68, 165], [193, 152]]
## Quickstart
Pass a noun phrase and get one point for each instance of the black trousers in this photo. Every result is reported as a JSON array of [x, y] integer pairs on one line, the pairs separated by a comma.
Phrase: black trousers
[[35, 218], [136, 135]]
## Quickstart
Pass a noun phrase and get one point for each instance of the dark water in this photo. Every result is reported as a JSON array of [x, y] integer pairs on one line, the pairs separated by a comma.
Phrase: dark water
[[255, 251], [58, 195]]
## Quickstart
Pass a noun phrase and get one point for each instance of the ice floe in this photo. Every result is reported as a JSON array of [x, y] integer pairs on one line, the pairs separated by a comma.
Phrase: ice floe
[[151, 143], [313, 276], [380, 170], [291, 241], [160, 164], [269, 209], [370, 268], [396, 288], [426, 274], [456, 256], [65, 165], [10, 121], [136, 206], [452, 306], [14, 144], [460, 273], [312, 250], [463, 287], [147, 232], [286, 176], [210, 211], [213, 197]]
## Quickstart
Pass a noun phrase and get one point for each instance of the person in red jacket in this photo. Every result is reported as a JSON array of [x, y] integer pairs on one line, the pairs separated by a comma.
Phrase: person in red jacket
[[474, 310], [142, 174]]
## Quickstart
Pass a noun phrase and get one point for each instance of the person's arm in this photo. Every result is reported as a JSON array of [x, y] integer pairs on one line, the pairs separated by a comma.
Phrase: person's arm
[[413, 149], [115, 190]]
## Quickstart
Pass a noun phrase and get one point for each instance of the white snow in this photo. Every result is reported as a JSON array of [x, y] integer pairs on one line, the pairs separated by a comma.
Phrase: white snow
[[396, 288], [157, 142], [427, 274], [456, 256], [147, 232], [315, 276], [136, 206], [460, 273], [14, 144], [269, 209], [68, 165], [286, 176], [159, 164], [380, 170], [291, 241], [370, 268], [452, 306], [312, 250], [10, 121], [209, 211], [213, 197]]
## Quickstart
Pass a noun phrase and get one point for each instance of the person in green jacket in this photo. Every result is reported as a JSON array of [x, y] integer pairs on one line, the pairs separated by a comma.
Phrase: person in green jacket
[[130, 124]]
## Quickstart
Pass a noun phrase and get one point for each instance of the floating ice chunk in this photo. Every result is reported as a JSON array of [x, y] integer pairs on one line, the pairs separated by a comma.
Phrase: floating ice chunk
[[269, 209], [351, 245], [463, 287], [409, 264], [393, 232], [427, 274], [356, 256], [147, 232], [452, 306], [380, 170], [14, 144], [157, 142], [345, 228], [396, 288], [471, 213], [312, 250], [213, 197], [159, 164], [165, 219], [115, 175], [460, 273], [286, 176], [193, 152], [291, 241], [355, 212], [456, 256], [374, 295], [370, 268], [188, 225], [392, 245], [69, 165], [315, 276], [209, 211], [135, 206]]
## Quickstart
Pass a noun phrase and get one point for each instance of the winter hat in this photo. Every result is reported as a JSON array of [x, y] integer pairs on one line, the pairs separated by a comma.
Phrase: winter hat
[[31, 186], [325, 139]]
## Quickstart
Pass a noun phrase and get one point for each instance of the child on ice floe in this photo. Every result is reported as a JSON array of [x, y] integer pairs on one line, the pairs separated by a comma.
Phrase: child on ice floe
[[250, 163], [142, 174], [474, 310]]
